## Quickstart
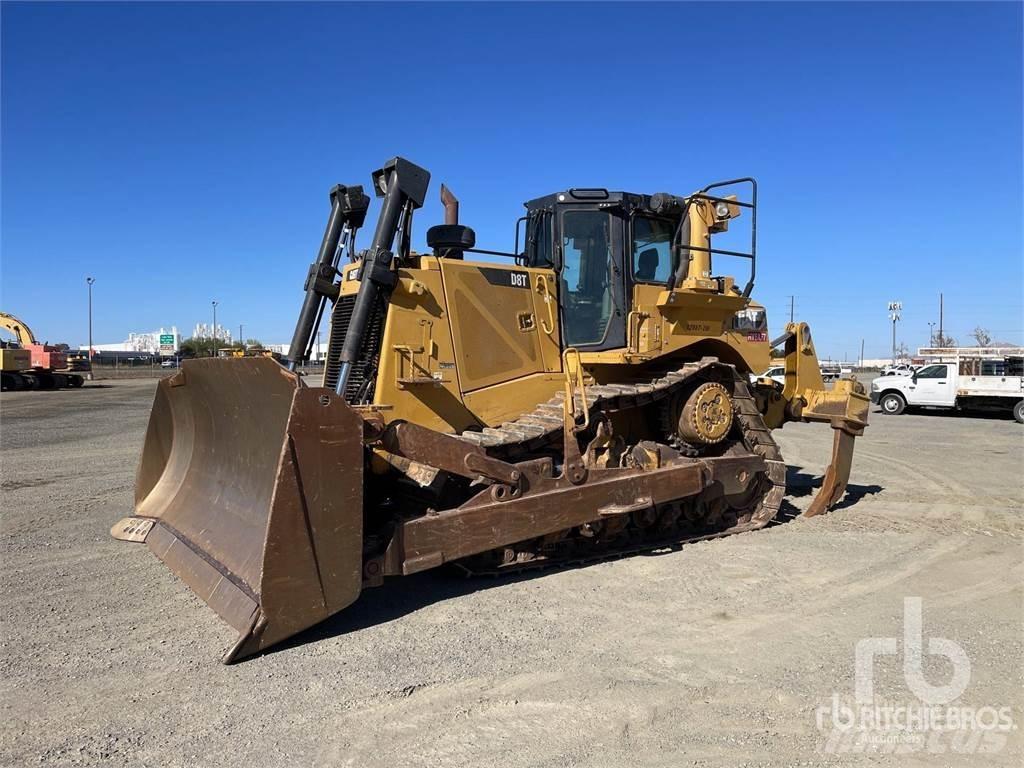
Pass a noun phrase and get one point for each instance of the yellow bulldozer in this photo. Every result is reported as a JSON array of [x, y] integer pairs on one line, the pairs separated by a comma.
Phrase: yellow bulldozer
[[587, 395]]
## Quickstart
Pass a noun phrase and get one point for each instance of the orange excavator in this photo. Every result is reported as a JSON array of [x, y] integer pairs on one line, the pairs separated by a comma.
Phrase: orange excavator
[[27, 364]]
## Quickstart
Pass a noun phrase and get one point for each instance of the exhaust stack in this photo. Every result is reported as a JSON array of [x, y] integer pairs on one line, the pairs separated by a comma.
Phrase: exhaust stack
[[451, 206]]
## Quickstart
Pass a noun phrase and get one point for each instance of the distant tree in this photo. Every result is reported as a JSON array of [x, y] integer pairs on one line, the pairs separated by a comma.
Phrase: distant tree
[[983, 337], [902, 351], [195, 347], [247, 344], [943, 341]]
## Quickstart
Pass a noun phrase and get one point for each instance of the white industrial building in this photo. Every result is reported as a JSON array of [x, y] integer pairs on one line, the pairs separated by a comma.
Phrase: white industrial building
[[205, 331], [166, 341], [141, 342]]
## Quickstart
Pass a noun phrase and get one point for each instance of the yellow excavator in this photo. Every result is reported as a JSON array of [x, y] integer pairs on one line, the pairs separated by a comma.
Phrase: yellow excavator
[[586, 395], [27, 364]]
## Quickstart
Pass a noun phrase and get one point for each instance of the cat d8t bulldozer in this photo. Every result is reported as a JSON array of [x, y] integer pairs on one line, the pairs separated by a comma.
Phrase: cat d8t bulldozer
[[587, 395]]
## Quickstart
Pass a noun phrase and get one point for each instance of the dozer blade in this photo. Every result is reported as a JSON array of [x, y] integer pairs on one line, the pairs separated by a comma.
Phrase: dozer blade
[[250, 489]]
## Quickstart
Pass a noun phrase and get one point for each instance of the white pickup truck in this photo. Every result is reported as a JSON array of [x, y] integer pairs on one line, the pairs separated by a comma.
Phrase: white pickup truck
[[968, 384]]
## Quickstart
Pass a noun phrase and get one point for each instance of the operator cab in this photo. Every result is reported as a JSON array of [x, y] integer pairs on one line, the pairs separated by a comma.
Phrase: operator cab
[[601, 244], [585, 236]]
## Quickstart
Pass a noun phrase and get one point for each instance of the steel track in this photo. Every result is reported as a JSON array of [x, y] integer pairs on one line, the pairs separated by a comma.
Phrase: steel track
[[542, 428]]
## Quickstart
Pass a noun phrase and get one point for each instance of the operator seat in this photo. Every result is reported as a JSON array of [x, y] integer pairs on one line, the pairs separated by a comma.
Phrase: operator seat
[[647, 264]]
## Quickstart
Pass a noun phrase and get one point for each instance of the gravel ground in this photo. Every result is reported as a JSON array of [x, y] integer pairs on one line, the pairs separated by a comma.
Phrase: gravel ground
[[718, 654]]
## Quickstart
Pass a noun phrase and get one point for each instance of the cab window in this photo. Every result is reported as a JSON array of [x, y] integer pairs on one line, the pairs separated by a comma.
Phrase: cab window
[[652, 249], [538, 240], [932, 372], [586, 268]]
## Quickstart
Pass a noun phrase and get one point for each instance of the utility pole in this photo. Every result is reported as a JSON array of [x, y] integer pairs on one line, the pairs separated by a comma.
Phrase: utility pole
[[215, 328], [931, 334], [89, 281], [792, 299], [862, 353], [895, 307], [241, 343], [942, 336]]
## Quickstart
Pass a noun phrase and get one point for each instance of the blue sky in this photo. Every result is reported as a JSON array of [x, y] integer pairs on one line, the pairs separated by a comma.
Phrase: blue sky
[[183, 153]]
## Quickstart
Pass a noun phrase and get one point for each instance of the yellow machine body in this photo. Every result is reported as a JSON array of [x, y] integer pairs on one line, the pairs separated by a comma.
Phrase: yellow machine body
[[474, 412], [460, 350], [15, 359]]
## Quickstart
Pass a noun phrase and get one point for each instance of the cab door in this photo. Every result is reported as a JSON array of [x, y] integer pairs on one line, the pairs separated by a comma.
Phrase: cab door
[[591, 291], [540, 264], [933, 385]]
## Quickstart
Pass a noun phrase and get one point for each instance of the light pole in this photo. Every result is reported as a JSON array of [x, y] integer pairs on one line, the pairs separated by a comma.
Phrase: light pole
[[931, 334], [895, 307], [89, 281], [241, 343], [214, 328]]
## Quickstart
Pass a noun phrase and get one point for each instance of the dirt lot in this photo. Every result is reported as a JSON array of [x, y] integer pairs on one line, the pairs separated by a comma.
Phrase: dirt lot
[[718, 654]]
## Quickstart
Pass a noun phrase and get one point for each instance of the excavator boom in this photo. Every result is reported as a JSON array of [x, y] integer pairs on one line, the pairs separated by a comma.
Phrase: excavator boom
[[20, 330]]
